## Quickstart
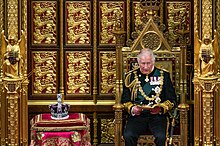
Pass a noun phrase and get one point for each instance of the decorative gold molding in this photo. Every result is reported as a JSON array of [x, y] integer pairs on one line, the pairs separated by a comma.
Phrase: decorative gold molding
[[12, 13], [107, 130], [94, 55], [206, 17], [196, 15], [75, 102]]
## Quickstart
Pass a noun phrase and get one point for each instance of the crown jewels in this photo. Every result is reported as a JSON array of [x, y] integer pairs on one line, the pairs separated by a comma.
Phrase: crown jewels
[[59, 110]]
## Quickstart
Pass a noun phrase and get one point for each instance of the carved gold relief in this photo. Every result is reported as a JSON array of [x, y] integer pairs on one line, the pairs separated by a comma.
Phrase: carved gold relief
[[12, 15], [206, 55], [139, 13], [108, 72], [44, 72], [206, 17], [178, 20], [107, 130], [217, 15], [13, 52], [44, 22], [12, 88], [13, 118], [111, 16], [78, 22], [78, 72], [151, 40]]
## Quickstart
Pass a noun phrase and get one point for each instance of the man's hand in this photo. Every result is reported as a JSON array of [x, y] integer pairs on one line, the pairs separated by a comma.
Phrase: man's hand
[[156, 110], [137, 110]]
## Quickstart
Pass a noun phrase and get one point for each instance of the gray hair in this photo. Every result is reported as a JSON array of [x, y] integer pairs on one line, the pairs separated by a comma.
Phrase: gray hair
[[144, 52]]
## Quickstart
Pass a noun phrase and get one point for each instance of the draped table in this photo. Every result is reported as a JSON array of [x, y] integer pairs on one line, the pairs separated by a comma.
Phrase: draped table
[[72, 131]]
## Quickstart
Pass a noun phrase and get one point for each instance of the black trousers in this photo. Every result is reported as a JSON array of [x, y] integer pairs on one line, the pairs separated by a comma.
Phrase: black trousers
[[138, 125]]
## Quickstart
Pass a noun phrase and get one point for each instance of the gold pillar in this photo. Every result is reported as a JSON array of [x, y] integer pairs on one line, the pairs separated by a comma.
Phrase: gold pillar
[[14, 88], [118, 107], [183, 107], [206, 119], [206, 86], [11, 112], [61, 89], [95, 84]]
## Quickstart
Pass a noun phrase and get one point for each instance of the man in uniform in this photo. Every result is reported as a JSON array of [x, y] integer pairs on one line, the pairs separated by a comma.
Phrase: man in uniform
[[148, 94]]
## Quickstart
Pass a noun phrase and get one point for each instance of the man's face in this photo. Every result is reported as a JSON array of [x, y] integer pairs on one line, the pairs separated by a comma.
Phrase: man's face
[[146, 64]]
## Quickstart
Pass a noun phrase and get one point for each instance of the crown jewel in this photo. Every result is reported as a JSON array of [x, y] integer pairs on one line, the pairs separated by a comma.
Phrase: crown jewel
[[59, 110]]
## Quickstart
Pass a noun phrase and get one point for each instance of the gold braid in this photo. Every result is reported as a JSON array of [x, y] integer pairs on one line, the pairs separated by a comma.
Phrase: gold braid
[[132, 84]]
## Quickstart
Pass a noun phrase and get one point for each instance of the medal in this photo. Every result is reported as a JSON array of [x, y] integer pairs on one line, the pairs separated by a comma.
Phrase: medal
[[146, 79]]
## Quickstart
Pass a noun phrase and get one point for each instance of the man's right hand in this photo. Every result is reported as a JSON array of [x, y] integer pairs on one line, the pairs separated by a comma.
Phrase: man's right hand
[[137, 110]]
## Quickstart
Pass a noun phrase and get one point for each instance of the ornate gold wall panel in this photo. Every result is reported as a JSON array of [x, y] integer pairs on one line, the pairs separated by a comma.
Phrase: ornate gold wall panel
[[139, 12], [44, 22], [45, 72], [179, 18], [78, 68], [109, 12], [108, 72], [78, 22], [107, 130]]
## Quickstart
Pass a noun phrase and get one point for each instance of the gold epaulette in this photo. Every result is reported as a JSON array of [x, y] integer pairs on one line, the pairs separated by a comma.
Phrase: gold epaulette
[[166, 105], [128, 106]]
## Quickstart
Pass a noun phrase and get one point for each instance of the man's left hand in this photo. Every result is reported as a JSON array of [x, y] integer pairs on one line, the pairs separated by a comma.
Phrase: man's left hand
[[155, 110]]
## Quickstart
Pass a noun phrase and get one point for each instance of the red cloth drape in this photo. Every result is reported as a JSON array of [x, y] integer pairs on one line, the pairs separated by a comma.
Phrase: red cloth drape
[[73, 131]]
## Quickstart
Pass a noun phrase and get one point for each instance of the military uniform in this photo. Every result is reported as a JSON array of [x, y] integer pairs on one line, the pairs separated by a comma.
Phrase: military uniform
[[154, 89]]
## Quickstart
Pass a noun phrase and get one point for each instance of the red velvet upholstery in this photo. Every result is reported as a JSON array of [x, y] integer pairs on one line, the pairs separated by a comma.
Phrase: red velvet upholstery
[[73, 131]]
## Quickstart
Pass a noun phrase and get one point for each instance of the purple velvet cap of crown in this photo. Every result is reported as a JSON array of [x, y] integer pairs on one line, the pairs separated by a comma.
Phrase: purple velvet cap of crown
[[59, 113]]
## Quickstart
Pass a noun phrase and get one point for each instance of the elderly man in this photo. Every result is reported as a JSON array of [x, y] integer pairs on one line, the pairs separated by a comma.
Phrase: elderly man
[[148, 94]]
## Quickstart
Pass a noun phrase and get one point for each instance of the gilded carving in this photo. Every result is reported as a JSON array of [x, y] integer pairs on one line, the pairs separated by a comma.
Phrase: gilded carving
[[217, 15], [12, 88], [139, 13], [143, 8], [151, 40], [206, 17], [108, 72], [206, 55], [178, 20], [94, 55], [44, 22], [196, 14], [12, 15], [107, 130], [13, 118], [12, 53], [147, 140], [78, 22], [207, 117], [44, 72], [111, 17], [78, 72]]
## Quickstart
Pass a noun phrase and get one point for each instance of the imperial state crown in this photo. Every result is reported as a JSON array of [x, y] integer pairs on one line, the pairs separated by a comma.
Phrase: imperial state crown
[[59, 110]]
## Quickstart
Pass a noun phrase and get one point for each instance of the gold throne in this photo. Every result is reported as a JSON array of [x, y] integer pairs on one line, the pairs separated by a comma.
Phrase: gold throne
[[168, 58]]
